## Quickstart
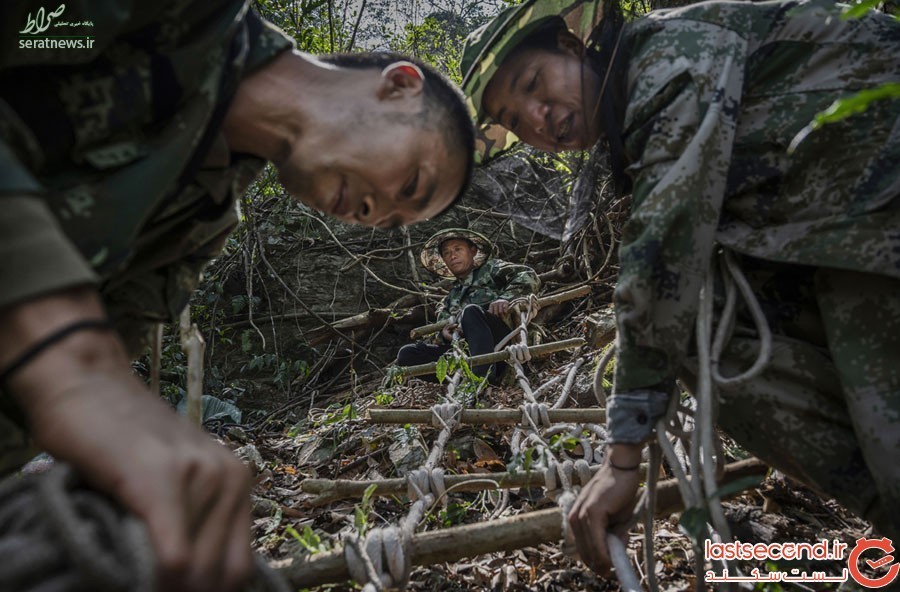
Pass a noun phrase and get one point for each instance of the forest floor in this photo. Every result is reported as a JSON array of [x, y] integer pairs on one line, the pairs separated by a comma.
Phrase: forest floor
[[337, 442]]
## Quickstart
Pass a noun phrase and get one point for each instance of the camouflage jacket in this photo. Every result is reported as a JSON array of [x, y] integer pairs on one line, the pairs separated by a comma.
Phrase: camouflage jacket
[[492, 281], [113, 170], [715, 93]]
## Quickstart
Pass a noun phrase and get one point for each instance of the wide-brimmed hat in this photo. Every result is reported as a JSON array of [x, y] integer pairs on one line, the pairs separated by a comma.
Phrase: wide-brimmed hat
[[431, 252], [487, 47]]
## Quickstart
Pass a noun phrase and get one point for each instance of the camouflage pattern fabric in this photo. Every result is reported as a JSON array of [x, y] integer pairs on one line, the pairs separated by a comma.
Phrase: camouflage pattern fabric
[[487, 47], [494, 280], [431, 253], [716, 93], [826, 409], [113, 170]]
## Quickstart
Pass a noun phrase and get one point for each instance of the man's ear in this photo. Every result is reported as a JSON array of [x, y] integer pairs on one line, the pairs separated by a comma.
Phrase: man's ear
[[569, 43], [401, 79]]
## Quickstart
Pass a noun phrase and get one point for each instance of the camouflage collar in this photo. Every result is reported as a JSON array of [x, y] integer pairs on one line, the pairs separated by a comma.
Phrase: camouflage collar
[[487, 47], [431, 252]]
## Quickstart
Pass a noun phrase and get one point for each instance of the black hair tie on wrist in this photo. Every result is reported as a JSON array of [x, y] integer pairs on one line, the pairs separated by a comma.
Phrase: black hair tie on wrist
[[618, 468], [53, 338]]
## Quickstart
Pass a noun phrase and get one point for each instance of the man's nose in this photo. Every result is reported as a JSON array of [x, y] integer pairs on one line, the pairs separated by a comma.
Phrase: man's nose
[[368, 210], [537, 113]]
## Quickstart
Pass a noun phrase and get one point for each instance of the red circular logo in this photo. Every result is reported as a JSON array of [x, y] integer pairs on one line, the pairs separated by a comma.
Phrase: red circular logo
[[884, 545]]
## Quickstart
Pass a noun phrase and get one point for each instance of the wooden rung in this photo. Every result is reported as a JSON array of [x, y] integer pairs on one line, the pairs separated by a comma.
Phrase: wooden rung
[[420, 332], [537, 351], [331, 490], [492, 536], [487, 416]]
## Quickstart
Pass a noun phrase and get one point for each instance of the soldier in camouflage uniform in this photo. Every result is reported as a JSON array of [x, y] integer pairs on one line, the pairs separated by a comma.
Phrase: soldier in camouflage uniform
[[123, 150], [478, 300], [703, 109]]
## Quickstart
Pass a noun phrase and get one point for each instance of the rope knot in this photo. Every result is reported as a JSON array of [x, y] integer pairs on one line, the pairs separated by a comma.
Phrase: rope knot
[[381, 560], [422, 482], [536, 414], [518, 352], [445, 415]]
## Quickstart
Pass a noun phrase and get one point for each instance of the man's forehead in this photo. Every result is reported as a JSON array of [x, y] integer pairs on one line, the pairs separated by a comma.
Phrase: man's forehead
[[457, 241]]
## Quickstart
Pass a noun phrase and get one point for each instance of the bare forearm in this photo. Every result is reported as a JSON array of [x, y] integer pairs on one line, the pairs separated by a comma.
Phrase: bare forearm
[[64, 364]]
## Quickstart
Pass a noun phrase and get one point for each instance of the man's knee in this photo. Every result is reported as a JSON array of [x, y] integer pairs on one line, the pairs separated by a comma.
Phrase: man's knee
[[408, 355], [471, 313]]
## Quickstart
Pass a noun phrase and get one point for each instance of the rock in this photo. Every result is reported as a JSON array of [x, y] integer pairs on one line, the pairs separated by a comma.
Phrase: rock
[[600, 327], [237, 434], [407, 455], [250, 455]]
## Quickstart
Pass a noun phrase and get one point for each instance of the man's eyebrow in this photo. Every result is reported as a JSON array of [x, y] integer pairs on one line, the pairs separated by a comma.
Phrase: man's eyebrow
[[514, 80]]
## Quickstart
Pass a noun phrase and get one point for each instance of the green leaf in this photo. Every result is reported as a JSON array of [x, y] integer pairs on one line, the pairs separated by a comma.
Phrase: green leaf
[[739, 485], [440, 370], [860, 8], [845, 107]]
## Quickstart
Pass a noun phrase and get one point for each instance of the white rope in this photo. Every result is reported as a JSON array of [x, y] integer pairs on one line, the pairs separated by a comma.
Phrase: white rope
[[423, 481], [445, 415], [518, 353]]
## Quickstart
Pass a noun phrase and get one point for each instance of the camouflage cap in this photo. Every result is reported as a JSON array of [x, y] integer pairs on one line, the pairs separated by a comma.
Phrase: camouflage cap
[[431, 252], [488, 46]]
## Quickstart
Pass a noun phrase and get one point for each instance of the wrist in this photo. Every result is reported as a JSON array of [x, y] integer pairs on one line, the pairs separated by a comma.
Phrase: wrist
[[64, 361], [625, 457]]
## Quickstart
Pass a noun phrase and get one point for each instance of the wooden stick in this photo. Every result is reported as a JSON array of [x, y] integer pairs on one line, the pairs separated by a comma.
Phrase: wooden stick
[[493, 536], [487, 416], [419, 332], [193, 345], [331, 490], [536, 351], [156, 359]]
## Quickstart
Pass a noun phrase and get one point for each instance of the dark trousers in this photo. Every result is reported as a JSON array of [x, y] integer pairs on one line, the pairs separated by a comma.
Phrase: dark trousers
[[481, 329]]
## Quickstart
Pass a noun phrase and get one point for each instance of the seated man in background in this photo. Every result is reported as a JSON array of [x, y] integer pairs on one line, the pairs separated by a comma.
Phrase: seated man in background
[[477, 302]]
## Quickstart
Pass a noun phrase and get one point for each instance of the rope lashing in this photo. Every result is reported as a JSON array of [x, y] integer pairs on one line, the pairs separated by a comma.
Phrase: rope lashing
[[423, 481], [532, 306], [536, 414], [561, 474], [58, 536], [518, 352], [379, 561], [445, 415]]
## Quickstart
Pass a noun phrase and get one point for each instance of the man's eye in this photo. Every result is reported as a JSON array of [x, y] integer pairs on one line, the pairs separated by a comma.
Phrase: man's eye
[[533, 84], [514, 123], [410, 189]]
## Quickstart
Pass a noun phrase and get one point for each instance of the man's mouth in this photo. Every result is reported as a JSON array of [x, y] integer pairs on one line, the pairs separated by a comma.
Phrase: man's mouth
[[564, 128]]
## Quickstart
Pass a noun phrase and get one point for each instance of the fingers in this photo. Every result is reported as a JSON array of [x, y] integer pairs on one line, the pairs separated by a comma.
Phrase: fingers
[[498, 307], [208, 547], [589, 522], [221, 542]]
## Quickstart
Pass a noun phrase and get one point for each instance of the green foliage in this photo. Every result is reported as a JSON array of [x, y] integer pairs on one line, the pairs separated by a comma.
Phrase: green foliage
[[693, 524], [383, 398], [845, 107], [769, 586], [308, 539], [454, 514], [861, 7], [522, 461], [361, 510], [341, 413]]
